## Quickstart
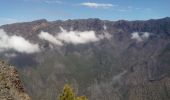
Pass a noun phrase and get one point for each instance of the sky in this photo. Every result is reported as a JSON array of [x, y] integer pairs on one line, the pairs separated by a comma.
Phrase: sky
[[12, 11]]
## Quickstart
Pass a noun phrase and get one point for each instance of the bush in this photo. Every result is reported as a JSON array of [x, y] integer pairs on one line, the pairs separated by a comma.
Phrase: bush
[[68, 94]]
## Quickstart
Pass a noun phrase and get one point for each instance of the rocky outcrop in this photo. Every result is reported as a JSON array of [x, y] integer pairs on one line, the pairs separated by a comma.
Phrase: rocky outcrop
[[10, 84]]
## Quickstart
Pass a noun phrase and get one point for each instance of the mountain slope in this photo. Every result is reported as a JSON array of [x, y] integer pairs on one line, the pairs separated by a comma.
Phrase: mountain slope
[[104, 60]]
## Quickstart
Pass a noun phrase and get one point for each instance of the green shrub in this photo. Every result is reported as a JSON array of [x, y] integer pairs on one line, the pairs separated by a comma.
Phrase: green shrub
[[68, 94]]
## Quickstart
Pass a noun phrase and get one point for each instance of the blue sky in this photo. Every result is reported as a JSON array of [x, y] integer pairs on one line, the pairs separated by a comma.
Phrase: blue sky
[[28, 10]]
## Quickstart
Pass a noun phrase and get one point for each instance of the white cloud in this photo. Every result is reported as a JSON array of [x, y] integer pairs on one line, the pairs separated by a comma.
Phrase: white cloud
[[97, 5], [48, 37], [139, 37], [74, 37], [16, 43], [105, 33], [136, 36], [53, 1], [145, 35], [105, 27]]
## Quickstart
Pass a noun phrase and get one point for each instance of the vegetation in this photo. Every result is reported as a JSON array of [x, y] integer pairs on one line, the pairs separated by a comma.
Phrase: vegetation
[[68, 94]]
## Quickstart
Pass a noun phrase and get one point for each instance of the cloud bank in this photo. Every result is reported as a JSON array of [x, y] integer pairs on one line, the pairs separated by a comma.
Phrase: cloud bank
[[76, 37], [48, 37], [97, 5], [16, 43], [139, 37], [73, 37]]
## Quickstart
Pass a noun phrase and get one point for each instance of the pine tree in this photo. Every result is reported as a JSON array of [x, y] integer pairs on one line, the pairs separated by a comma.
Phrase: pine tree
[[68, 94]]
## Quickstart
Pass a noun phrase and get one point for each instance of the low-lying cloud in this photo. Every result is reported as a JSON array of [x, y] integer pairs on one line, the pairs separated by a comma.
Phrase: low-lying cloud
[[76, 37], [140, 36], [73, 37], [48, 37], [16, 43], [97, 5]]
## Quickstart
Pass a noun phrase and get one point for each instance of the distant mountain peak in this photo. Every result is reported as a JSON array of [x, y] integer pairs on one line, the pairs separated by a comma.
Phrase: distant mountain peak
[[40, 21]]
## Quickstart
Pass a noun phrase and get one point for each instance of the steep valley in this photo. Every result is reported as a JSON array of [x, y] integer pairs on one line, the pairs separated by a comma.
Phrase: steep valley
[[104, 60]]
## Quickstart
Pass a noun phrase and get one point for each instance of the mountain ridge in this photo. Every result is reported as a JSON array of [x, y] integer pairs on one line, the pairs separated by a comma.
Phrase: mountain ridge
[[104, 60], [45, 20]]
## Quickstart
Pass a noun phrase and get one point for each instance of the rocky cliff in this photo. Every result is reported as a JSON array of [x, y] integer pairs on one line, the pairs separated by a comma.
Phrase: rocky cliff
[[10, 84]]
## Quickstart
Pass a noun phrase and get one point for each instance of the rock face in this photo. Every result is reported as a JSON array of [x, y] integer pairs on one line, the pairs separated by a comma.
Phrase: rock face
[[10, 84], [104, 60]]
